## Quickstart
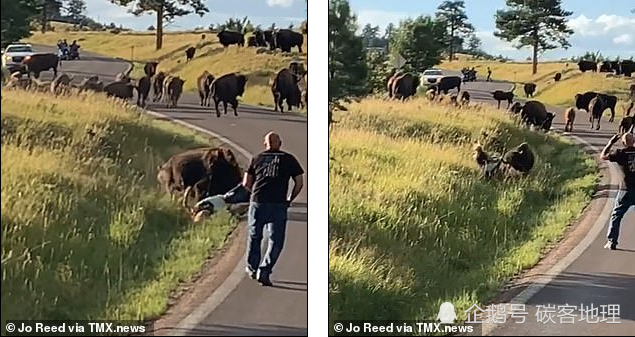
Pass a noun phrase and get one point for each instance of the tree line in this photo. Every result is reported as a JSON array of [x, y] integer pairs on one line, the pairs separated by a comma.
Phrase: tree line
[[359, 63]]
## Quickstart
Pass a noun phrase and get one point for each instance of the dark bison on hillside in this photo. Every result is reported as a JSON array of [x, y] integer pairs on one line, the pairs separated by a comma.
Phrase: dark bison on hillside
[[189, 53], [587, 65], [404, 86], [446, 84], [606, 67], [204, 83], [530, 89], [260, 38], [582, 102], [557, 77], [226, 89], [627, 68], [269, 38], [285, 39], [213, 168], [37, 63], [285, 88], [228, 37], [150, 68]]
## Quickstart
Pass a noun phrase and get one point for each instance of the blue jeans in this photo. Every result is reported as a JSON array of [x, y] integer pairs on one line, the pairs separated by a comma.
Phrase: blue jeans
[[622, 204], [274, 215]]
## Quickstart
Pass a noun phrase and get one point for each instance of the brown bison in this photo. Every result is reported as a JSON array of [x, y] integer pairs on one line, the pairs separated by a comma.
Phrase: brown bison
[[150, 68], [569, 116], [582, 101], [391, 79], [157, 86], [530, 88], [37, 63], [143, 90], [557, 77], [183, 171], [535, 113], [204, 83], [405, 86], [285, 87], [189, 53], [226, 89], [521, 158], [596, 108], [172, 90]]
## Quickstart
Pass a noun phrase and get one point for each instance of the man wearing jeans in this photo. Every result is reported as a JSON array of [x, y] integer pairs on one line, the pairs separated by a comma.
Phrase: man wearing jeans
[[268, 179], [625, 158]]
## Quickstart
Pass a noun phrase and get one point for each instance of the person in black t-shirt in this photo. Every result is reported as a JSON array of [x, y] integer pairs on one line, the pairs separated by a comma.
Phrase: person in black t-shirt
[[268, 178], [625, 158]]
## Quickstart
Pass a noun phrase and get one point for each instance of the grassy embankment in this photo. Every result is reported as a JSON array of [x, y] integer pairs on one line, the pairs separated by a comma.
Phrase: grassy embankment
[[547, 91], [209, 56], [86, 234], [411, 224]]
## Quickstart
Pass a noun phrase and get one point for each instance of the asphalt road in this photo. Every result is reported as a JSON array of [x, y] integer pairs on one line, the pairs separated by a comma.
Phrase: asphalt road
[[598, 276], [249, 308]]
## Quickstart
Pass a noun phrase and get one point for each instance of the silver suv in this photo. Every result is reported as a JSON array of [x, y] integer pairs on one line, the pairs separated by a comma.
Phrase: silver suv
[[13, 55]]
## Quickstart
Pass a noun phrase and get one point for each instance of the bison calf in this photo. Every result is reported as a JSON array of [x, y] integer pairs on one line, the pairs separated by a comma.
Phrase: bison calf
[[508, 96], [143, 90], [204, 83], [530, 88], [596, 108], [569, 116]]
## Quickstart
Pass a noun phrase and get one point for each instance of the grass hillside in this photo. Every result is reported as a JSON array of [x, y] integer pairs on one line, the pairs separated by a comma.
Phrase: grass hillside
[[210, 56], [547, 91], [86, 233], [412, 224]]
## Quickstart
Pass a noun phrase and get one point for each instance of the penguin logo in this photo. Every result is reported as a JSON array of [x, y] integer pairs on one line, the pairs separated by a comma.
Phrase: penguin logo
[[446, 313]]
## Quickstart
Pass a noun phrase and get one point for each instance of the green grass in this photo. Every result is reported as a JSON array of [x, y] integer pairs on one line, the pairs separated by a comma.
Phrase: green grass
[[86, 232], [411, 223], [210, 55]]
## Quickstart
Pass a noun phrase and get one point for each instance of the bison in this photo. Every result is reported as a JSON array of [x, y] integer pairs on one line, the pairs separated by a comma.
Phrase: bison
[[157, 86], [521, 158], [616, 67], [59, 82], [508, 96], [447, 83], [596, 107], [269, 38], [465, 98], [143, 90], [391, 80], [228, 37], [582, 102], [535, 113], [226, 89], [189, 53], [587, 65], [37, 63], [251, 41], [260, 38], [120, 89], [557, 77], [287, 39], [569, 117], [606, 67], [530, 88], [405, 86], [150, 68], [181, 172], [285, 87], [172, 90], [627, 67], [204, 83]]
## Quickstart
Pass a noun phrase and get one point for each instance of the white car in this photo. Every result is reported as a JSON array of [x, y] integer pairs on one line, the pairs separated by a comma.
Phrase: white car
[[431, 76], [13, 55]]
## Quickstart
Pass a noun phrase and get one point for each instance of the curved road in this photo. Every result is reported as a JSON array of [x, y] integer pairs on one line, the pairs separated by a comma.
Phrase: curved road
[[239, 306], [587, 274]]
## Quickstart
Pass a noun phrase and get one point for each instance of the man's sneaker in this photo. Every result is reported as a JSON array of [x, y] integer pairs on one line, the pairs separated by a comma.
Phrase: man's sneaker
[[252, 274], [610, 245], [263, 279]]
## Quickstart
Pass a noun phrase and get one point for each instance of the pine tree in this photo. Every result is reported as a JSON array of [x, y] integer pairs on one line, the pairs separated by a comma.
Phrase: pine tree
[[48, 9], [76, 9], [16, 15], [348, 71], [474, 44], [539, 24], [452, 14], [165, 10], [420, 41]]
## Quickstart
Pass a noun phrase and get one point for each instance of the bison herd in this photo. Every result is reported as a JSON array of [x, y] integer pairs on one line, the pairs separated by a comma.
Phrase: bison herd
[[625, 67]]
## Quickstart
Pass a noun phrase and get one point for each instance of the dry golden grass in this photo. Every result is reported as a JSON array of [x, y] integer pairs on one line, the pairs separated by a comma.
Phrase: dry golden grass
[[210, 56]]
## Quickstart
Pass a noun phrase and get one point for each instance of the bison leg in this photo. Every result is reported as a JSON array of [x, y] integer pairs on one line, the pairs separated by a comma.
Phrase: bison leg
[[225, 107], [202, 98], [216, 105], [612, 115], [499, 104], [280, 102], [235, 106]]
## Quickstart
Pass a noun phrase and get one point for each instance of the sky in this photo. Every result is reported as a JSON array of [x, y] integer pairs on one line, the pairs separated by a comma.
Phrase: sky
[[609, 29], [264, 12]]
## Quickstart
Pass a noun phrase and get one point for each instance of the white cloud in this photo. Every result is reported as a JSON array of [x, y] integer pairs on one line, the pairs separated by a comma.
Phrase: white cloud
[[624, 39], [281, 3], [602, 25]]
